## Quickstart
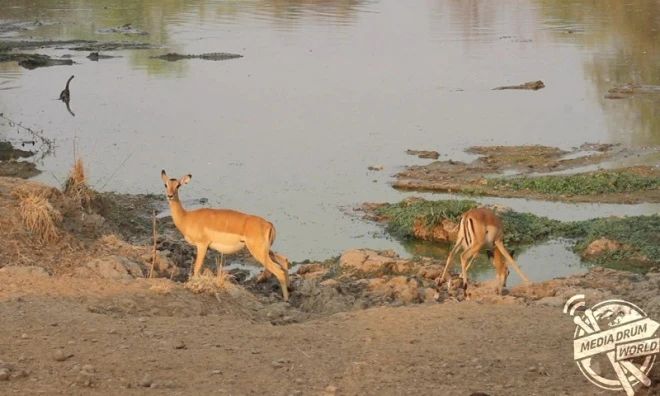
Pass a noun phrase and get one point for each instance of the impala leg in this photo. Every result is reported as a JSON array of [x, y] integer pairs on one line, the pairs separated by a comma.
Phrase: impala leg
[[469, 254], [277, 258], [470, 263], [199, 260], [509, 259], [459, 243], [281, 260], [501, 270], [260, 252]]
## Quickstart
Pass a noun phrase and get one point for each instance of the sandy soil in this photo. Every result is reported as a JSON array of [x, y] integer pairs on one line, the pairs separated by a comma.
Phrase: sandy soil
[[121, 336]]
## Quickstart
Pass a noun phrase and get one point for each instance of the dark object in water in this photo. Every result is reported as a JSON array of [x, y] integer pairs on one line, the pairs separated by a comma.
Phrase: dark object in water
[[531, 85]]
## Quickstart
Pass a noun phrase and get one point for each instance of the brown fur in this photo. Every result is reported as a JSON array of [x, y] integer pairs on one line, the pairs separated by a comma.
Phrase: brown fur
[[481, 228], [230, 231]]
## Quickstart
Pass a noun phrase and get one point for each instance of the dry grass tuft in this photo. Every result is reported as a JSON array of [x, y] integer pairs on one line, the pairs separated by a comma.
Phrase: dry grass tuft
[[76, 186], [38, 215], [213, 285], [162, 288]]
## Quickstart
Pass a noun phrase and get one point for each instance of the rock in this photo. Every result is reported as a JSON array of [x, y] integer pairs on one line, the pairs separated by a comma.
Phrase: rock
[[84, 378], [375, 168], [425, 154], [4, 374], [24, 271], [553, 301], [398, 287], [430, 272], [408, 293], [277, 364], [352, 258], [89, 368], [445, 231], [331, 388], [216, 56], [7, 366], [146, 381], [312, 271], [330, 283], [180, 345], [25, 336], [366, 260], [531, 85], [601, 246], [59, 355], [216, 372], [115, 267], [376, 262]]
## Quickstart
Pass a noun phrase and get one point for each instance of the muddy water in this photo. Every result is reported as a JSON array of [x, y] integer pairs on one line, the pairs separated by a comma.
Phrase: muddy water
[[324, 90]]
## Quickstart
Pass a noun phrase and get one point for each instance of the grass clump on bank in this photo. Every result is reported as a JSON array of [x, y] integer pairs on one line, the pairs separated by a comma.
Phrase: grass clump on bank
[[401, 216], [38, 215], [521, 228], [580, 184], [77, 188], [638, 238]]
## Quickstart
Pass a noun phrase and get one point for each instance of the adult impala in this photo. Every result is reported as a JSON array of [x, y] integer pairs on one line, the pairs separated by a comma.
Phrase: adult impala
[[226, 231], [477, 229]]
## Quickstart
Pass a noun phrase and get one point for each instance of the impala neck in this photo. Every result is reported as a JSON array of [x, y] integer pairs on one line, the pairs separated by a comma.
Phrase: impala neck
[[177, 210]]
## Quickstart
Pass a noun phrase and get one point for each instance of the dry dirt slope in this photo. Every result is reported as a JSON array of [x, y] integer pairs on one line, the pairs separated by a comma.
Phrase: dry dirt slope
[[193, 344]]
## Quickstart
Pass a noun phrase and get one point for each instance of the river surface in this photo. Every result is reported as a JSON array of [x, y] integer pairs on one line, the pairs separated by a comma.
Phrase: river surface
[[326, 89]]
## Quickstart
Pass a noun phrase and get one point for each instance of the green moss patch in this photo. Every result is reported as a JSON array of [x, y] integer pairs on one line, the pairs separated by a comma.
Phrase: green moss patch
[[595, 183]]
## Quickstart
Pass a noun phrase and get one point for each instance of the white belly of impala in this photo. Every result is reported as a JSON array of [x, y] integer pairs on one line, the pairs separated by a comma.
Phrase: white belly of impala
[[226, 243]]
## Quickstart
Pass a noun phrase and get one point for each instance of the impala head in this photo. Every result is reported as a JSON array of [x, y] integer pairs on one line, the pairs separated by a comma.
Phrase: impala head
[[172, 185]]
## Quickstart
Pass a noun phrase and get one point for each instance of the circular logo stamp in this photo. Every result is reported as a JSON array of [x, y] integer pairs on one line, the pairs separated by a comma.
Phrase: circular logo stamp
[[614, 343]]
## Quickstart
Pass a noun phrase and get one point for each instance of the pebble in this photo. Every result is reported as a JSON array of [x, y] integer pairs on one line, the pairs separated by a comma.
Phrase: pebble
[[278, 364], [4, 374], [7, 366], [25, 336], [89, 368], [84, 378], [180, 345], [142, 320], [146, 381], [331, 389], [216, 372], [300, 381], [60, 356]]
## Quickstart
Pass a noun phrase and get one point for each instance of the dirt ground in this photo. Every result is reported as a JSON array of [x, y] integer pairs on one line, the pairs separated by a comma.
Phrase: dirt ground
[[80, 316]]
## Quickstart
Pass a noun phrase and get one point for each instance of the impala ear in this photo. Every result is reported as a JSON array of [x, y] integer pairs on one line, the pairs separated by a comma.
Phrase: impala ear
[[185, 179], [163, 176]]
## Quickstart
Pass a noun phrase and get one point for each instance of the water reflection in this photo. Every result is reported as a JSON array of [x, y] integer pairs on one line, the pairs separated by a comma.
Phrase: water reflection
[[623, 39]]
